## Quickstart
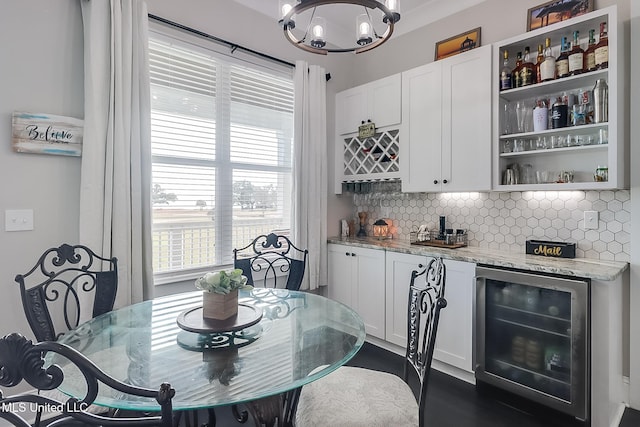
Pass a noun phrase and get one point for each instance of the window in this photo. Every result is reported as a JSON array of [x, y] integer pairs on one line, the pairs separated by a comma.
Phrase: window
[[221, 141]]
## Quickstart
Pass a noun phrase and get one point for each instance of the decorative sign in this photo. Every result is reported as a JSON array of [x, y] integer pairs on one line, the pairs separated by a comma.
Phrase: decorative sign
[[47, 134], [556, 11], [458, 44], [366, 130], [551, 249]]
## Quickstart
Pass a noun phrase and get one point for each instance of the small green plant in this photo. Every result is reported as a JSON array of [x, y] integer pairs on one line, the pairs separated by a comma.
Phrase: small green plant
[[223, 282]]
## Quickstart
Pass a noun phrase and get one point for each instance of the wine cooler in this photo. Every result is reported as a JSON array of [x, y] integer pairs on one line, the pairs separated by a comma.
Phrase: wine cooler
[[533, 337]]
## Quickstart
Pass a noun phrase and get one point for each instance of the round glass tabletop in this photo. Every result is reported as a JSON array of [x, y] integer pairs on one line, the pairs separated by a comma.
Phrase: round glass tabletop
[[300, 338]]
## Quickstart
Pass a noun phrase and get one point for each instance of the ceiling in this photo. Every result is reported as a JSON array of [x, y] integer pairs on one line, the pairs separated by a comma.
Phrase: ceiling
[[341, 18]]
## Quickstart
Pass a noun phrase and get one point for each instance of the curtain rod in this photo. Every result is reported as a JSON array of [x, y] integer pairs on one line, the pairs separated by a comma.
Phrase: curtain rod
[[233, 46]]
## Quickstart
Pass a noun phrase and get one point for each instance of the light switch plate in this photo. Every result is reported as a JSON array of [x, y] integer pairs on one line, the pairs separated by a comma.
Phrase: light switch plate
[[590, 220], [18, 219]]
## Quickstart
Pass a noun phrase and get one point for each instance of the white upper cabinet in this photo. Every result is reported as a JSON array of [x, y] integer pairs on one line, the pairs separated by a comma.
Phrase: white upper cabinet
[[561, 158], [446, 124], [378, 101]]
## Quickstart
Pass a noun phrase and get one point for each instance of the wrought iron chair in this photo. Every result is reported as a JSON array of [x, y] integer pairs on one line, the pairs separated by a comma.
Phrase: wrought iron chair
[[51, 289], [355, 397], [22, 360], [272, 261]]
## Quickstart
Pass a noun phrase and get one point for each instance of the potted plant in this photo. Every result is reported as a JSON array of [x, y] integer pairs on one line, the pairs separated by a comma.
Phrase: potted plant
[[220, 293]]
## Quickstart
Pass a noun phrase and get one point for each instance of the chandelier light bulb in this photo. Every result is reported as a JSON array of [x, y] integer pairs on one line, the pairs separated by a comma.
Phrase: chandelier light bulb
[[364, 30], [285, 9], [394, 8], [318, 32]]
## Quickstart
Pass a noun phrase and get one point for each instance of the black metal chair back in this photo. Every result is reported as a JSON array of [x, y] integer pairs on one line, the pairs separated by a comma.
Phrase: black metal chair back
[[22, 360], [51, 289], [272, 261], [425, 303]]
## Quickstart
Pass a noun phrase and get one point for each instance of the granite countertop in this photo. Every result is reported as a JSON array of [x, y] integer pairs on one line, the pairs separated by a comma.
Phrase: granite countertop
[[578, 267]]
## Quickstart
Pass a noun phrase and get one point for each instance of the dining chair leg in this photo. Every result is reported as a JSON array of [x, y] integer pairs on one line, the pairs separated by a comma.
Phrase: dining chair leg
[[272, 411], [241, 417], [212, 417]]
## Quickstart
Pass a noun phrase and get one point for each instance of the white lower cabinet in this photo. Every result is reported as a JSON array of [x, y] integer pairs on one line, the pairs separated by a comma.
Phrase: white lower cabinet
[[398, 275], [356, 279], [454, 342]]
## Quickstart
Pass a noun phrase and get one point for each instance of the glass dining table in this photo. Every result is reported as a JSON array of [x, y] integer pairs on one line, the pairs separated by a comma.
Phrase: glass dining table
[[300, 338]]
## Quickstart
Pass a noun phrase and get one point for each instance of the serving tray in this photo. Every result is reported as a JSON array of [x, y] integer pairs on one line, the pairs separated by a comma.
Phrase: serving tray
[[191, 320]]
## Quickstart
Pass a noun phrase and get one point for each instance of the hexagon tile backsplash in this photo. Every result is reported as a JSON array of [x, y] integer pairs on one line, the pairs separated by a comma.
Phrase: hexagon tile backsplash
[[504, 221]]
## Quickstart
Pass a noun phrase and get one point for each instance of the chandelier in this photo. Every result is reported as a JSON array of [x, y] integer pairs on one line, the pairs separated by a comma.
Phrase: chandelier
[[373, 26]]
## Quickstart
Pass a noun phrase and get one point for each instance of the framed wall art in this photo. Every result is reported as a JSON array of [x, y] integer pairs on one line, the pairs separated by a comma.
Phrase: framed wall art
[[457, 44], [41, 133], [556, 11]]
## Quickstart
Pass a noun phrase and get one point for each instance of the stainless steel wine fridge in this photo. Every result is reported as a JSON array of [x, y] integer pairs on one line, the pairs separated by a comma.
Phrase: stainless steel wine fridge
[[533, 337]]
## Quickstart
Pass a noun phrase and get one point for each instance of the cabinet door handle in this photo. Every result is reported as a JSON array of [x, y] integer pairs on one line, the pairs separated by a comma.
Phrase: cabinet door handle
[[444, 181], [346, 253], [352, 254], [435, 181]]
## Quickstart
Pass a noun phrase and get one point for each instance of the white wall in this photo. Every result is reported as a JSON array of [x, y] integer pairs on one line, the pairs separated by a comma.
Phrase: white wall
[[42, 72], [634, 299]]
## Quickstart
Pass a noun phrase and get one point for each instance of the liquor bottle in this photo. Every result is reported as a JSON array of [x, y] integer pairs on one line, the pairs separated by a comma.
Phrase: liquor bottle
[[515, 73], [576, 56], [505, 74], [548, 66], [602, 48], [590, 53], [559, 114], [562, 63], [539, 60], [528, 70]]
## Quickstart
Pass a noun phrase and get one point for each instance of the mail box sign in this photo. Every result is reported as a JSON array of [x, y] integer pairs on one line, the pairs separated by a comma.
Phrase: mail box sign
[[551, 249]]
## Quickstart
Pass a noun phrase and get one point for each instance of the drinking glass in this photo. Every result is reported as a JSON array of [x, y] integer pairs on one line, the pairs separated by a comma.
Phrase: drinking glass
[[518, 145], [506, 118], [521, 113], [528, 118]]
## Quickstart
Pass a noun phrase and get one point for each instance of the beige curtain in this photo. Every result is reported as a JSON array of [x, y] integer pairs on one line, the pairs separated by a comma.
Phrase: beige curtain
[[115, 200]]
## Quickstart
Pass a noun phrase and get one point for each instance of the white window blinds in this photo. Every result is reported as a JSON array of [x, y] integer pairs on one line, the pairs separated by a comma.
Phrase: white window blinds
[[221, 135]]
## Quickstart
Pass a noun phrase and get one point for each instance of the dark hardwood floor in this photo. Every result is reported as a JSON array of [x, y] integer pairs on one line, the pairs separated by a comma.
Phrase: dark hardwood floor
[[451, 402]]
